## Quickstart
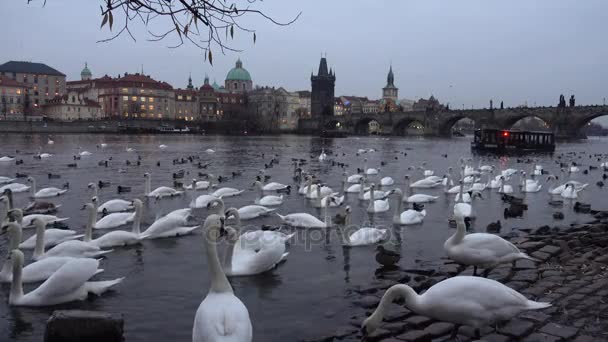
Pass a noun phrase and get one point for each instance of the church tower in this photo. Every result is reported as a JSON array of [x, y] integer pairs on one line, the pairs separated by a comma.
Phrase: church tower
[[322, 95], [390, 91]]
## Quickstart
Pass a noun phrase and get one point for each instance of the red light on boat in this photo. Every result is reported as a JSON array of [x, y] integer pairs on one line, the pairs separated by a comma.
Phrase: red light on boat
[[505, 134]]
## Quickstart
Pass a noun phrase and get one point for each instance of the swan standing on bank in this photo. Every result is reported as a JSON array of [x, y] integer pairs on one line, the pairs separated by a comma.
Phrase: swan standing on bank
[[44, 193], [481, 250], [407, 217], [221, 316], [160, 192], [69, 283], [462, 300]]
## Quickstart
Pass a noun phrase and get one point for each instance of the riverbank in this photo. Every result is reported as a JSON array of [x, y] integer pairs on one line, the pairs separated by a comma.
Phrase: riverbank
[[573, 276]]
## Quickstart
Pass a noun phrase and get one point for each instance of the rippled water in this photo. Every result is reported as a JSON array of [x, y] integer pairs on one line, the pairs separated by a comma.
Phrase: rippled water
[[307, 295]]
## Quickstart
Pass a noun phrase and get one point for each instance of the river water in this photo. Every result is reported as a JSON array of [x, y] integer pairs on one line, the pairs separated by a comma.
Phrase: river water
[[310, 293]]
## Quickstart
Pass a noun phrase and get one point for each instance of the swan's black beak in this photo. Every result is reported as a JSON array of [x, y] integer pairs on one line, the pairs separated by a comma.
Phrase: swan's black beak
[[83, 207], [223, 231]]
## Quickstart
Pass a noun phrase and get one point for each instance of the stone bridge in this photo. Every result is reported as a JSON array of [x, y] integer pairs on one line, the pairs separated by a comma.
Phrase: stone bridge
[[565, 122]]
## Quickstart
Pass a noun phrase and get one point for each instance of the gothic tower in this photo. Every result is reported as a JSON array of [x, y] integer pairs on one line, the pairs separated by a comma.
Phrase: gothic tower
[[390, 91], [322, 95]]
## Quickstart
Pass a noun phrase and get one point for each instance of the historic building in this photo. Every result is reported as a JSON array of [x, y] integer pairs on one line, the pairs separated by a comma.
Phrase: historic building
[[208, 102], [238, 79], [12, 98], [304, 108], [274, 109], [74, 105], [322, 94], [43, 81], [390, 91], [432, 104], [86, 74]]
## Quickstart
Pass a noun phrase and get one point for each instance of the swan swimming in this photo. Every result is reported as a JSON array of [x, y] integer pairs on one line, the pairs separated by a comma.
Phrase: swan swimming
[[416, 198], [407, 217], [15, 187], [173, 224], [119, 237], [360, 237], [221, 316], [44, 193], [6, 180], [306, 220], [268, 200], [160, 192], [462, 300], [376, 206]]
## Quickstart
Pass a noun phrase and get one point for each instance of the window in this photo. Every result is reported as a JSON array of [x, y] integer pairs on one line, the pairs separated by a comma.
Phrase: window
[[73, 98], [143, 99], [125, 98], [143, 107], [150, 99], [189, 98], [179, 97], [160, 116], [142, 91], [235, 86], [133, 98], [35, 78], [151, 107], [125, 90], [18, 91]]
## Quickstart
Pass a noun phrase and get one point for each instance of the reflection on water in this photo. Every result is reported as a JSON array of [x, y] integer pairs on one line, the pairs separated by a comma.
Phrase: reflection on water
[[309, 293]]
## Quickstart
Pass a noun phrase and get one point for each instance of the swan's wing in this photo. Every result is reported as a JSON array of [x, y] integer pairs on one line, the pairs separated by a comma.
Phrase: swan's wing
[[68, 278], [497, 245], [221, 317], [41, 270]]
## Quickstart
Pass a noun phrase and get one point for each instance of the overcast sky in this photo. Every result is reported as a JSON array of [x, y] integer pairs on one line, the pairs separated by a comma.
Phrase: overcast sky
[[463, 52]]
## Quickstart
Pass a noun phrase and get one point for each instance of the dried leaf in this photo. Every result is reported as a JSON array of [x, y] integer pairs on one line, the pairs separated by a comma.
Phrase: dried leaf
[[105, 20], [111, 19], [179, 32], [186, 30], [210, 58], [254, 37], [232, 31]]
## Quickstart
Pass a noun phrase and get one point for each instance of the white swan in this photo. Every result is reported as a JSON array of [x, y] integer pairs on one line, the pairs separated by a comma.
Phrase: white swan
[[83, 153], [376, 206], [115, 206], [50, 141], [505, 188], [28, 220], [370, 171], [69, 283], [6, 159], [354, 178], [202, 201], [322, 156], [480, 249], [268, 200], [361, 237], [70, 248], [160, 192], [427, 183], [15, 187], [416, 198], [171, 225], [570, 192], [529, 185], [306, 220], [121, 237], [227, 192], [387, 181], [209, 150], [43, 155], [44, 193], [314, 191], [199, 185], [463, 300], [114, 220], [221, 316], [6, 180], [249, 212], [49, 237], [252, 253], [466, 209], [407, 217], [330, 201], [162, 146], [578, 186], [273, 186]]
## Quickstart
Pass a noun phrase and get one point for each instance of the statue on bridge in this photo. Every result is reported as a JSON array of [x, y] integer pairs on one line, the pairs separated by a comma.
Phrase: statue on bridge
[[491, 104], [502, 105], [572, 101], [562, 101]]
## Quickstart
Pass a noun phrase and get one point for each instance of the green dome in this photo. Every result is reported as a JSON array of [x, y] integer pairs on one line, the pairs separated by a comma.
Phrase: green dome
[[86, 71], [238, 73]]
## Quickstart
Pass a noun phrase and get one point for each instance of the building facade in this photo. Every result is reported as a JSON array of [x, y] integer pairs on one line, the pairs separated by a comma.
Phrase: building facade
[[43, 81], [274, 109], [72, 106], [186, 104], [208, 103], [322, 94], [12, 98], [238, 79]]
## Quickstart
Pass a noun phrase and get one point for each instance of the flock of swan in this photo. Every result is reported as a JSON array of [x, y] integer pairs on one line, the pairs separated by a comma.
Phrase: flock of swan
[[65, 262]]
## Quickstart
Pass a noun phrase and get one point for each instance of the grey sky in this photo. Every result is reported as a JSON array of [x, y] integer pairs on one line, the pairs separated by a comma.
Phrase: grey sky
[[463, 52]]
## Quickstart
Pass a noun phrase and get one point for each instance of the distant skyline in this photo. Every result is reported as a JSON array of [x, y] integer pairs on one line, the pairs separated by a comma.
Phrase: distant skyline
[[465, 52]]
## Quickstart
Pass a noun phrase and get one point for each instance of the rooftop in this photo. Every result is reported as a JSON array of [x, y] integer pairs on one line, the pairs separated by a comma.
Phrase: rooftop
[[29, 68]]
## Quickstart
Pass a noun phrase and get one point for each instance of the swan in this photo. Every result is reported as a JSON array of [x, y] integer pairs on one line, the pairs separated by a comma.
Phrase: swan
[[559, 189], [255, 235], [529, 185], [120, 237], [355, 188], [50, 140], [41, 155], [83, 153], [330, 201], [128, 149], [6, 159], [199, 185], [249, 212], [28, 220], [486, 168], [481, 250], [505, 188], [463, 300], [69, 283], [573, 168], [253, 253], [407, 217], [221, 316], [114, 220], [322, 156], [227, 192], [103, 145], [268, 200], [376, 206], [447, 178], [570, 192], [6, 180], [370, 171], [427, 183], [416, 198], [14, 187], [170, 225], [363, 236], [314, 191], [538, 170], [604, 166], [387, 181], [466, 208], [162, 146], [305, 220], [354, 178], [71, 248], [115, 206], [365, 193], [52, 237], [209, 150], [202, 201], [44, 193], [160, 192]]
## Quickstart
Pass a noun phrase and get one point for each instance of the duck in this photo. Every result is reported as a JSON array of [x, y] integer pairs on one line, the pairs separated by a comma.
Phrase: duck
[[253, 253], [416, 198], [173, 224], [221, 316], [462, 300], [35, 272], [46, 192], [69, 283], [14, 187], [376, 206], [268, 200], [408, 217], [160, 192], [363, 236], [120, 237], [481, 250]]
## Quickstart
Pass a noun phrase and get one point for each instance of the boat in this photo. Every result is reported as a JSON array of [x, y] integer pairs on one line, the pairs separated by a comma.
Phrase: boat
[[167, 129], [515, 141]]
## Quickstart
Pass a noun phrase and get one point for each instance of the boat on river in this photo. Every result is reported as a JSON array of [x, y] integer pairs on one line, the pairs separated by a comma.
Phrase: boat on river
[[512, 141]]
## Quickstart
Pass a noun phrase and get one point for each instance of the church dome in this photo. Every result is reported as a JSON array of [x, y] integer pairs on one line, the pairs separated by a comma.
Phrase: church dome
[[238, 73], [86, 73]]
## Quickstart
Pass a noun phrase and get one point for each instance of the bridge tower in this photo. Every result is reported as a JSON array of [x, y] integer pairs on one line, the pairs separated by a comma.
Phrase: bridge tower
[[322, 95], [390, 91]]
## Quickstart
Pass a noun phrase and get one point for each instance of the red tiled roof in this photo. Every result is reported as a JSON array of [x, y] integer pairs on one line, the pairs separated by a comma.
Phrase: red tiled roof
[[59, 99], [9, 82], [127, 80]]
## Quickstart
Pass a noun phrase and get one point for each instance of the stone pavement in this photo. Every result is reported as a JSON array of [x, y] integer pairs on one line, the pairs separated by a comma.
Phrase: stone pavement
[[573, 276]]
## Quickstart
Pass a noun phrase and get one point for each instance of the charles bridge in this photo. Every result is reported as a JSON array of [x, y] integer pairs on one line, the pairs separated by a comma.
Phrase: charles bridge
[[565, 122]]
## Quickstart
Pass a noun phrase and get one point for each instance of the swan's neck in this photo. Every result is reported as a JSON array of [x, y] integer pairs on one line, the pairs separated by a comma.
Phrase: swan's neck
[[408, 189], [319, 202], [3, 212], [39, 250], [16, 284], [461, 231], [327, 218], [219, 282], [371, 206], [398, 208], [95, 192], [88, 231], [33, 187], [461, 193], [308, 187], [412, 300], [137, 221], [147, 186], [15, 239], [9, 196], [260, 190], [344, 235]]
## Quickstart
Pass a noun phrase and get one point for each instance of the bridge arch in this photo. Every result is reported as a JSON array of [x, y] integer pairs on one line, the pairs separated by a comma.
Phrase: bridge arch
[[368, 125], [446, 128], [541, 123], [408, 126], [333, 124]]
